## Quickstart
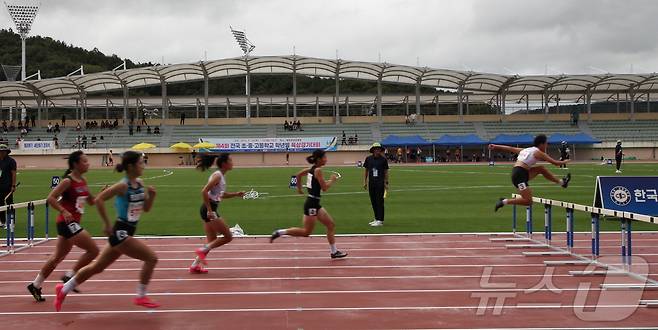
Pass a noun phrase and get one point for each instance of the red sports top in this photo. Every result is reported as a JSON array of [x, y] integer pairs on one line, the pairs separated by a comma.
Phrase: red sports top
[[74, 199]]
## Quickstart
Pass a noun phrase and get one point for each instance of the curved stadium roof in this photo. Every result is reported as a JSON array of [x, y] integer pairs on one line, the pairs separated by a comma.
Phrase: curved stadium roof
[[601, 86]]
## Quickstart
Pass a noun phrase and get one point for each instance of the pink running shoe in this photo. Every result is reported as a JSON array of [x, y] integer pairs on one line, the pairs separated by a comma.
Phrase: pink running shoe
[[59, 296], [145, 302], [202, 255], [198, 270]]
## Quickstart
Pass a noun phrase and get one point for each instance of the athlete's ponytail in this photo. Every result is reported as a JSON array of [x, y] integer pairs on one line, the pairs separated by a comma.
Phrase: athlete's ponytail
[[128, 158], [73, 159], [205, 162], [317, 155]]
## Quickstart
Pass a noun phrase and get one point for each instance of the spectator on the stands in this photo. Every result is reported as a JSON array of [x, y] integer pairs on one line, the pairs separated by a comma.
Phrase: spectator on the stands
[[139, 129], [49, 129], [143, 113], [23, 132], [356, 138], [343, 140], [286, 126], [56, 141], [63, 120], [157, 130], [34, 120], [148, 130], [12, 127], [93, 140], [130, 129], [299, 125], [84, 141], [116, 123], [56, 130], [78, 128], [182, 118]]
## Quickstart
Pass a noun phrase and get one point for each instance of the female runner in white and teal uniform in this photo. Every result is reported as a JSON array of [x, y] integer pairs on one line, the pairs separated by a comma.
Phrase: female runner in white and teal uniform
[[131, 200]]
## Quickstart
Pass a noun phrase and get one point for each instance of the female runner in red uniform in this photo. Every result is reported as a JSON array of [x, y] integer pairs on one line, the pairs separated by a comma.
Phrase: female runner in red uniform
[[74, 195]]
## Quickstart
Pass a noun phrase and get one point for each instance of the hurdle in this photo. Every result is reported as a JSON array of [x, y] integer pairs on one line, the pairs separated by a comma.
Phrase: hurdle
[[595, 214], [11, 211]]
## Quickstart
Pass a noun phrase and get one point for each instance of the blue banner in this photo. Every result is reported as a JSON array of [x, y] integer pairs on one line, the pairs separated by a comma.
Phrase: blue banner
[[636, 194], [293, 144]]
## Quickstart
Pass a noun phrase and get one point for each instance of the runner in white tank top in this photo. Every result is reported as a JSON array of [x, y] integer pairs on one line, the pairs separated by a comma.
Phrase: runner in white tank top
[[525, 170], [213, 193]]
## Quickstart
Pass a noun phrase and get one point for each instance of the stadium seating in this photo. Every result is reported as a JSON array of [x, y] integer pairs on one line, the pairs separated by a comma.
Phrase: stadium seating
[[625, 130], [495, 128]]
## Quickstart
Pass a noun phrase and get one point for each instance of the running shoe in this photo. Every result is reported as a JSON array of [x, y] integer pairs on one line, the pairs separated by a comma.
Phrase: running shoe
[[66, 279], [202, 255], [198, 270], [617, 171], [373, 221], [377, 223], [274, 236], [59, 296], [565, 180], [145, 302], [338, 255], [36, 292], [499, 204]]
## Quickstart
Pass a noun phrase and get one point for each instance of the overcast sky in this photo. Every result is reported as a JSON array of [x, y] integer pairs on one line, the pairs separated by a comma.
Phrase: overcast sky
[[501, 36]]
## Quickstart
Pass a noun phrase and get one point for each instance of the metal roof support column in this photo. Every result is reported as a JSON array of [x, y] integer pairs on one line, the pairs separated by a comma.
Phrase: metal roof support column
[[648, 102], [418, 96], [248, 89], [632, 99], [468, 112], [546, 97], [317, 106], [588, 101], [228, 105], [205, 99], [107, 109], [503, 103], [527, 103], [379, 97], [460, 109], [287, 107], [337, 99], [39, 109], [196, 106], [46, 100], [347, 105], [165, 104], [294, 89], [77, 109], [257, 107], [406, 105], [437, 104], [617, 102]]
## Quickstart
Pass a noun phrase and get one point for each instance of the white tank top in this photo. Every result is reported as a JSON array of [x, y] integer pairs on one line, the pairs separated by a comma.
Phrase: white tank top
[[215, 193], [527, 156]]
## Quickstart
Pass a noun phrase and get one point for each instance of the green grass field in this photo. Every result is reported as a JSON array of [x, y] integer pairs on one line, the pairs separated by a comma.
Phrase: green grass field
[[422, 199]]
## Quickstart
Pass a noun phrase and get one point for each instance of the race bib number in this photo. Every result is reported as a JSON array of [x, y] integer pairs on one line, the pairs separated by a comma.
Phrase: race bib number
[[309, 181], [74, 227], [80, 204], [522, 186], [135, 211], [375, 173], [293, 182], [54, 182], [313, 212], [121, 234]]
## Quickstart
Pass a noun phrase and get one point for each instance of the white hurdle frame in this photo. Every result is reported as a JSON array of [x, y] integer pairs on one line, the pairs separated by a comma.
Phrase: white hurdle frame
[[596, 213], [11, 224]]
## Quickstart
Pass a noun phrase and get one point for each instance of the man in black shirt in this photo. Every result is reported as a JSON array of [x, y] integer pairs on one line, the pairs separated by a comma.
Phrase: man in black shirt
[[619, 154], [7, 180], [564, 153], [376, 181]]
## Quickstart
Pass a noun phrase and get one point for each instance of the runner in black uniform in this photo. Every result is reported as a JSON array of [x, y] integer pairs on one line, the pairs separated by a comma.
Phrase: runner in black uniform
[[315, 184], [564, 153]]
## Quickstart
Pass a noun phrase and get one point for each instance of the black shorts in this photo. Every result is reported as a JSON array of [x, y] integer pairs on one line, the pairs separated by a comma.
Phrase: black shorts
[[120, 232], [520, 178], [312, 206], [204, 211], [68, 230]]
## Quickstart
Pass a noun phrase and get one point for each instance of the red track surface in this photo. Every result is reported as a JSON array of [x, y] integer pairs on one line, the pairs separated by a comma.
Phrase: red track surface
[[386, 282]]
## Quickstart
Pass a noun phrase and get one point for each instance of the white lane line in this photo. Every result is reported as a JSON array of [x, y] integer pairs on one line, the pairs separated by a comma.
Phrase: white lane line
[[313, 292], [202, 278], [312, 309], [300, 267]]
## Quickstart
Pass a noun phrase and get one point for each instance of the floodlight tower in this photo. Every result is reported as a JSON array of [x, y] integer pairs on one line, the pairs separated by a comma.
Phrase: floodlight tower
[[23, 15], [247, 47]]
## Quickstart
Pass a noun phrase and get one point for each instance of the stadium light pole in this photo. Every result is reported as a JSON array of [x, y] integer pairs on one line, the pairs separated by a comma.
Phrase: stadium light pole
[[247, 47], [23, 16]]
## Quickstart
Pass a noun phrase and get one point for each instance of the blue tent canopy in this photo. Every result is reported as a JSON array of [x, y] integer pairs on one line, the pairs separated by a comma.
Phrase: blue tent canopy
[[513, 139], [459, 140], [395, 141], [580, 138]]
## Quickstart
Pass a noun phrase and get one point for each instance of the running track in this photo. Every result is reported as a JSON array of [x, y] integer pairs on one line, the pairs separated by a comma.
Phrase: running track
[[428, 281]]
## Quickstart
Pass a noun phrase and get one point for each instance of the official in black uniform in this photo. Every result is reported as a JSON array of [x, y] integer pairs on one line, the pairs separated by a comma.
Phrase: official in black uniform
[[376, 181], [7, 181], [564, 153], [619, 155]]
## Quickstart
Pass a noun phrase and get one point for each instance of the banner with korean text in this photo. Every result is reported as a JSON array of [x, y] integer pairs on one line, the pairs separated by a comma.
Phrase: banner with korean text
[[292, 144]]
